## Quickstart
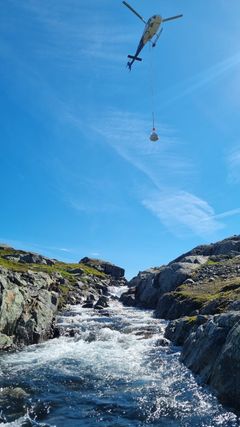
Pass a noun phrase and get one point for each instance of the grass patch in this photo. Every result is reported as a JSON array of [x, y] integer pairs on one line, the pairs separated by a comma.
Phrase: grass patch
[[60, 267], [211, 262], [225, 290]]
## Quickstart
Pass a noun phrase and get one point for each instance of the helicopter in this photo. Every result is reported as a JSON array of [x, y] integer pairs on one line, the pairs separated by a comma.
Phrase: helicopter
[[151, 29]]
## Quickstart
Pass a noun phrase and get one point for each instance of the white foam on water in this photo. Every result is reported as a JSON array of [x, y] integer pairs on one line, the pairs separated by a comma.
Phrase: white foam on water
[[122, 347]]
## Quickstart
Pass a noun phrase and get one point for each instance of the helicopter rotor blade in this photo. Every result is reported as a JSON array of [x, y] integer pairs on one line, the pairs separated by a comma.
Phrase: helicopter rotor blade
[[172, 18], [134, 11]]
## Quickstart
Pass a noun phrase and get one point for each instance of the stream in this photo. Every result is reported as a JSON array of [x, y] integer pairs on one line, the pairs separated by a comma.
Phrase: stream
[[110, 369]]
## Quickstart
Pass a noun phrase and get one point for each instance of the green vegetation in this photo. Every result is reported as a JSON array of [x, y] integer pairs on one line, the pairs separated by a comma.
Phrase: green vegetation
[[211, 262], [60, 267], [226, 290], [191, 319], [71, 272]]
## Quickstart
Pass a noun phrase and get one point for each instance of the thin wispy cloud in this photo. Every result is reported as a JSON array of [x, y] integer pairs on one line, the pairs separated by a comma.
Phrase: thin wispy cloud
[[178, 210], [68, 38], [206, 77], [226, 214], [34, 246], [233, 163], [92, 207], [181, 211], [128, 135]]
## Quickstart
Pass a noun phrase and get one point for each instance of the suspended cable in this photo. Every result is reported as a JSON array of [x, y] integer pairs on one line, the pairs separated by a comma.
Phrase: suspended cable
[[154, 136]]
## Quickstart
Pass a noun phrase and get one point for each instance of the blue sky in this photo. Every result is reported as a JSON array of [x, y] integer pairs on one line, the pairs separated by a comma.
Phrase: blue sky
[[79, 174]]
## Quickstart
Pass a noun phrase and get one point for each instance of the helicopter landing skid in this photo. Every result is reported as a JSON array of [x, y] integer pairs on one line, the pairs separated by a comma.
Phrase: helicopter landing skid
[[157, 37]]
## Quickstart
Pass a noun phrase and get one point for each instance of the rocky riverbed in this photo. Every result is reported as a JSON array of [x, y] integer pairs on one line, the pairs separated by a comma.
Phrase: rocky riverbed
[[110, 368]]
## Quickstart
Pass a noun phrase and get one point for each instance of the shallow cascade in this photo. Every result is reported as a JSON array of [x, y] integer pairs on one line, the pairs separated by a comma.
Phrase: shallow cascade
[[110, 368]]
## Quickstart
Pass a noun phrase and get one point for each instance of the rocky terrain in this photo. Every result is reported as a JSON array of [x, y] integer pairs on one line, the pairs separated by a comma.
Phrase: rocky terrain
[[34, 288], [199, 292]]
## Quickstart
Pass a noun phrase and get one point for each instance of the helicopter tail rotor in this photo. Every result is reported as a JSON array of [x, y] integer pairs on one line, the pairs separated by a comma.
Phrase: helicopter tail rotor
[[133, 58], [136, 58]]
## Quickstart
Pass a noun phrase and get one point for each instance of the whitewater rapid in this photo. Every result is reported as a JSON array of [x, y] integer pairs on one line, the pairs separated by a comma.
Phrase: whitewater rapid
[[110, 369]]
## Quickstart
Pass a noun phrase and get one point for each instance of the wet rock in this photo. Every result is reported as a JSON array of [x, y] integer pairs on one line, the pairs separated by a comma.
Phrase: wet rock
[[169, 307], [225, 376], [98, 307], [205, 346], [88, 304], [101, 303], [128, 299], [162, 342], [6, 342], [178, 330], [13, 393]]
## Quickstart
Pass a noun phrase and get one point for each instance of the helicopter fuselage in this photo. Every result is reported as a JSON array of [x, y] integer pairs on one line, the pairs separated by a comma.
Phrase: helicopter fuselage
[[151, 28]]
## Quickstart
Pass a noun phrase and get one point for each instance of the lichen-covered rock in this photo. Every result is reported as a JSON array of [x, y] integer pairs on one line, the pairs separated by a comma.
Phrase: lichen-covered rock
[[178, 330], [153, 283], [209, 349], [11, 309], [6, 342], [225, 377], [29, 258]]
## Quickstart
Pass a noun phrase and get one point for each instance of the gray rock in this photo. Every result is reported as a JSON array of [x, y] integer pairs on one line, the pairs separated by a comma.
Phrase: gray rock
[[204, 346], [104, 266], [29, 258], [169, 307], [6, 342], [178, 330], [88, 304], [14, 393], [11, 310], [225, 376], [101, 303], [162, 342]]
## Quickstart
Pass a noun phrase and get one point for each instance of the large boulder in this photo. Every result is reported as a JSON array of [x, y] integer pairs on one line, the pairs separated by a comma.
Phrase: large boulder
[[225, 377], [28, 306], [175, 273], [29, 258], [11, 309], [213, 352], [147, 291], [104, 267], [152, 284], [178, 330]]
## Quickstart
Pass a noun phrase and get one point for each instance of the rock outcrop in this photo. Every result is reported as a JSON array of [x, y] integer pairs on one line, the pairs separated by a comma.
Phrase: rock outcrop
[[33, 288], [152, 284], [211, 349], [214, 263], [105, 267], [200, 293]]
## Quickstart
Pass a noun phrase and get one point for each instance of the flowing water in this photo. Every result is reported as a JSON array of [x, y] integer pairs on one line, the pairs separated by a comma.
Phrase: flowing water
[[112, 372]]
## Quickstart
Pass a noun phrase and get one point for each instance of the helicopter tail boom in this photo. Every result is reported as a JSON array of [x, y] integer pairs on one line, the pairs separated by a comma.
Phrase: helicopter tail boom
[[136, 58]]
